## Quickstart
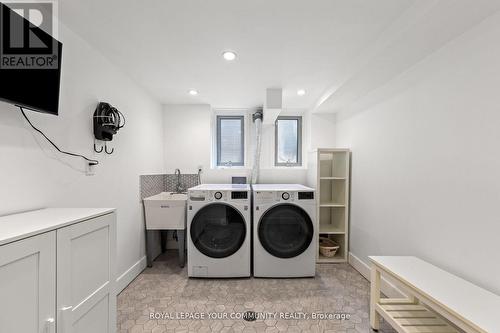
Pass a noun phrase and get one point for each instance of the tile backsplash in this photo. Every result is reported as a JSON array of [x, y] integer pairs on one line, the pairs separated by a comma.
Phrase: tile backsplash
[[187, 181], [153, 184]]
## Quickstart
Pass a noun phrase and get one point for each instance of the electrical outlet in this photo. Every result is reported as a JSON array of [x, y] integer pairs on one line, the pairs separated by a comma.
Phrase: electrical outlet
[[200, 168]]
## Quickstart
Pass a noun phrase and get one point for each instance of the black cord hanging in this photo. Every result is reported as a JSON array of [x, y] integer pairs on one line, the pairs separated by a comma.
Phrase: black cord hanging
[[91, 161]]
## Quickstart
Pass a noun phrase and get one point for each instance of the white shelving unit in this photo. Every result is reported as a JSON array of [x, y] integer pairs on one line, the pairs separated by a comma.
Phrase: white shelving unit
[[329, 174]]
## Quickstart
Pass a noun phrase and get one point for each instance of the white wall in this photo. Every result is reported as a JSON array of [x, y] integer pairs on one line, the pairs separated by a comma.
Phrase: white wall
[[322, 130], [33, 176], [188, 144], [426, 161]]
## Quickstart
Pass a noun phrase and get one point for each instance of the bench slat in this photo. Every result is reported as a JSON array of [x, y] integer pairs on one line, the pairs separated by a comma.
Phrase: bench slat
[[412, 314], [420, 322], [395, 301], [403, 307], [430, 329]]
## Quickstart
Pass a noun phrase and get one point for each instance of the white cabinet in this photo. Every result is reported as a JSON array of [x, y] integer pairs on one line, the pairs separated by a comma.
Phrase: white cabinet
[[28, 285], [86, 296], [60, 278]]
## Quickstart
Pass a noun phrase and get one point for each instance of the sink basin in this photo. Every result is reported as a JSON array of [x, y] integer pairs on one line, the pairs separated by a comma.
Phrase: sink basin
[[166, 211]]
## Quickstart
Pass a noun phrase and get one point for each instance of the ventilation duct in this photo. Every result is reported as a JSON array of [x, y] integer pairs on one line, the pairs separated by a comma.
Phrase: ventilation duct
[[257, 120]]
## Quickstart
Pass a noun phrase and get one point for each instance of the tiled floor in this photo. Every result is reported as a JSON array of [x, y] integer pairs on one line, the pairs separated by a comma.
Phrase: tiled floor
[[166, 289]]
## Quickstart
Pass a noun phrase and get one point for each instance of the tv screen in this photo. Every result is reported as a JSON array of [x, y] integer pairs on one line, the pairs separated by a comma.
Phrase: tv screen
[[29, 74]]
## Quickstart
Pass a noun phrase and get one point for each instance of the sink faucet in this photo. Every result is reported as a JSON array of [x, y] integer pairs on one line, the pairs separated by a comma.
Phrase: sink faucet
[[179, 188]]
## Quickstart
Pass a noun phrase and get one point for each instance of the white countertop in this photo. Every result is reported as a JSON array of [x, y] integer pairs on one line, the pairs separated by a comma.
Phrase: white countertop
[[167, 196], [281, 187], [18, 226], [479, 306]]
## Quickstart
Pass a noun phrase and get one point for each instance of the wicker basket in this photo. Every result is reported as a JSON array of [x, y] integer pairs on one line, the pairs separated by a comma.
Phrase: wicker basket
[[328, 247]]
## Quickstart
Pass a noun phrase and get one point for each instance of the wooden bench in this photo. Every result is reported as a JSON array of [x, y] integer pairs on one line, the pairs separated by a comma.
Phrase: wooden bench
[[436, 298]]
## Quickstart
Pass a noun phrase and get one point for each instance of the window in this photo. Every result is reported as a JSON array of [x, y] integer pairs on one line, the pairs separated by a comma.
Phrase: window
[[288, 141], [230, 141]]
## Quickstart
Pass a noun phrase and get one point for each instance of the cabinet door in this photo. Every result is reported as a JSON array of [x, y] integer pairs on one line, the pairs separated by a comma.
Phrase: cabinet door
[[28, 285], [86, 293]]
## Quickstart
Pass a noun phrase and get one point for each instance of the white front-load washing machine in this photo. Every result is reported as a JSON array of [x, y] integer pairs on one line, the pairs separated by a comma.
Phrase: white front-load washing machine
[[219, 230], [284, 230]]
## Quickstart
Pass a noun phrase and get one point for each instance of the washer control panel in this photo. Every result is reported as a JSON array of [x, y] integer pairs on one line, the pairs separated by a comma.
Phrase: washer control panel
[[214, 196], [285, 195]]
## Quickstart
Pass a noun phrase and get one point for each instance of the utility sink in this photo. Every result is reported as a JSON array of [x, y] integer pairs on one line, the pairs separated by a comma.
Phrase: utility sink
[[166, 211]]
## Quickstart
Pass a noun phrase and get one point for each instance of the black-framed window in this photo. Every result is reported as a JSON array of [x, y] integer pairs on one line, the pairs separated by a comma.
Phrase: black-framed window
[[288, 141], [230, 140]]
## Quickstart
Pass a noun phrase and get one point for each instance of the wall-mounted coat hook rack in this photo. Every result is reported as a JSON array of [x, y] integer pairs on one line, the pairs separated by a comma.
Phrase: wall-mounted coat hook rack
[[107, 121]]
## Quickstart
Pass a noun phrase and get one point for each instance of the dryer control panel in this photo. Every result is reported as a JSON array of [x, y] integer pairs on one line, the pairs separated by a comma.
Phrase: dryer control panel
[[263, 197]]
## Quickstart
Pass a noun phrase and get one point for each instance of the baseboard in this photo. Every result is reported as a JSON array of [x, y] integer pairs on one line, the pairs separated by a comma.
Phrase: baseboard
[[389, 289], [130, 274]]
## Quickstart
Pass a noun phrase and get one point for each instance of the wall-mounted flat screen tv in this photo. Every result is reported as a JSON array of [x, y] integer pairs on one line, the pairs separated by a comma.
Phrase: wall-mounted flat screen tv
[[30, 64]]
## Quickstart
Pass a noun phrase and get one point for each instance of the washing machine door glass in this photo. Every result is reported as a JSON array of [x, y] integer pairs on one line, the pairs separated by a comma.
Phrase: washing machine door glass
[[285, 231], [218, 230]]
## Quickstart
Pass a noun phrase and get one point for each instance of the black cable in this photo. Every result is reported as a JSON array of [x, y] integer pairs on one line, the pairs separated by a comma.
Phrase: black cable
[[120, 118], [91, 162]]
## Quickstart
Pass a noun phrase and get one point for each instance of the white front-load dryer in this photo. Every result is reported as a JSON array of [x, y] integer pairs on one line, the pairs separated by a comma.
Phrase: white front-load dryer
[[219, 230], [284, 230]]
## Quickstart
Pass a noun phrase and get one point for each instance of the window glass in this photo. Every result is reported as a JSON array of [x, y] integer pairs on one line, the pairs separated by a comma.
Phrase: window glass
[[288, 141], [230, 140]]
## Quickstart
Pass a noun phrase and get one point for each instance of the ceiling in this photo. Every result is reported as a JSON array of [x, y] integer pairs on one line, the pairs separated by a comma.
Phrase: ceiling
[[333, 49], [172, 46]]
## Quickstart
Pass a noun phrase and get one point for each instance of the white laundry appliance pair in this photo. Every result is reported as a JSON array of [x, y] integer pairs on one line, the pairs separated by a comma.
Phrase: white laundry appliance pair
[[222, 233]]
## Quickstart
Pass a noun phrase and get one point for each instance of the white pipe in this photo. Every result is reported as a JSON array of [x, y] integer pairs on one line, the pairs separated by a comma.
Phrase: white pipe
[[256, 160]]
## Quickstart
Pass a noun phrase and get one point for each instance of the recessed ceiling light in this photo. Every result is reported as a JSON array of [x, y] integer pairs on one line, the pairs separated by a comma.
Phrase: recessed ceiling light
[[301, 92], [193, 92], [229, 55]]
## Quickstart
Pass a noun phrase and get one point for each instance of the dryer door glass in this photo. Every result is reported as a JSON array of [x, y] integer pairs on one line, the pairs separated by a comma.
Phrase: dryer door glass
[[218, 230], [285, 231]]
